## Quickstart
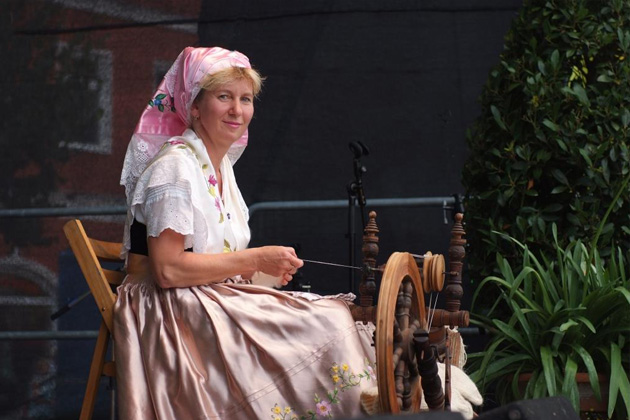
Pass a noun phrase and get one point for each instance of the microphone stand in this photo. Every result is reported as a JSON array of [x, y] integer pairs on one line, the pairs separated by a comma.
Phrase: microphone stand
[[355, 194]]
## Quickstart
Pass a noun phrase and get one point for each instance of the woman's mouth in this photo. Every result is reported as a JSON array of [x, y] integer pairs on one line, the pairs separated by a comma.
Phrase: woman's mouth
[[232, 124]]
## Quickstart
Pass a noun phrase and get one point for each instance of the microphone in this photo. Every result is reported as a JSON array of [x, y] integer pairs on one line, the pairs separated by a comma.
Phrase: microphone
[[358, 149]]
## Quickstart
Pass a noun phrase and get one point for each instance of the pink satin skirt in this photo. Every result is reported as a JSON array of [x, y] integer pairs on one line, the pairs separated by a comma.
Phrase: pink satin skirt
[[237, 351]]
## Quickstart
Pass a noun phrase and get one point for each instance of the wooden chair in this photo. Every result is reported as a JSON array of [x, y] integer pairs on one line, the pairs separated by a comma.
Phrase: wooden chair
[[89, 254]]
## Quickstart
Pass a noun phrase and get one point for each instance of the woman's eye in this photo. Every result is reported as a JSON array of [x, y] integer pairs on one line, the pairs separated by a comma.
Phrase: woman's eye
[[223, 97], [247, 100]]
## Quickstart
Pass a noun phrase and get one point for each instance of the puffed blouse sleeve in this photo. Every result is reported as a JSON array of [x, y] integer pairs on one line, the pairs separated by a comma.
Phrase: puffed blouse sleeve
[[163, 198]]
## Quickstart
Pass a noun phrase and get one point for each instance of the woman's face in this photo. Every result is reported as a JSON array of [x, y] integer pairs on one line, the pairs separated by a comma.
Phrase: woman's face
[[225, 113]]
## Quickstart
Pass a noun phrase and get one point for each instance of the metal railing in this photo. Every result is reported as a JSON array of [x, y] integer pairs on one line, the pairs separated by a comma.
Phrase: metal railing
[[447, 203]]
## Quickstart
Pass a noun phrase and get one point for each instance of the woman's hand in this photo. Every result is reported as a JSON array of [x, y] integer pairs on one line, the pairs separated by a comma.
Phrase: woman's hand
[[173, 267], [279, 261]]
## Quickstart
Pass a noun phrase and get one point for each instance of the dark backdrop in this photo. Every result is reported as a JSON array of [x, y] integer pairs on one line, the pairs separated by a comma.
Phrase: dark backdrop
[[403, 77]]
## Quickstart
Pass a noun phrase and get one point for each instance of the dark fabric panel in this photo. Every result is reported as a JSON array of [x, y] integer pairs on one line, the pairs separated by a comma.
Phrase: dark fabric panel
[[401, 76]]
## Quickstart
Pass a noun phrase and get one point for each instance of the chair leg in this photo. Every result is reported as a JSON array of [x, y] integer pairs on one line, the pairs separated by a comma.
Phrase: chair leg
[[96, 371]]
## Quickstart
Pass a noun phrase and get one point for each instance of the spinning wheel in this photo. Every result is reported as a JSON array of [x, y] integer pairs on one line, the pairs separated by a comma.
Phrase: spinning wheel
[[405, 349], [400, 312]]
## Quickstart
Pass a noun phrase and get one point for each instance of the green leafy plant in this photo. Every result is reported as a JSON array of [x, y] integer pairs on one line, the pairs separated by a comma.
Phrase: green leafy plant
[[566, 314], [551, 142]]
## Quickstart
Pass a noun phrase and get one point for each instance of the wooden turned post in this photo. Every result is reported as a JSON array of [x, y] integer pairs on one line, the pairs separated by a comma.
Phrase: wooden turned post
[[367, 286], [456, 253], [426, 356]]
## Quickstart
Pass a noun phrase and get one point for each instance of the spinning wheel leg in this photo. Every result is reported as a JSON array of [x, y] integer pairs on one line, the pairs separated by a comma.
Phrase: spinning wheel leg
[[400, 312]]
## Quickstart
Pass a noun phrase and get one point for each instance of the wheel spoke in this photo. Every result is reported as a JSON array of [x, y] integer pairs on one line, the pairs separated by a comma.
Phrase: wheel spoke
[[407, 392], [396, 356]]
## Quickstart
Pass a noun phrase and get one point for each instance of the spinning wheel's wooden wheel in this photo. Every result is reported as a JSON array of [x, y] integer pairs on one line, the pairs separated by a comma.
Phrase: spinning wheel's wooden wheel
[[400, 312]]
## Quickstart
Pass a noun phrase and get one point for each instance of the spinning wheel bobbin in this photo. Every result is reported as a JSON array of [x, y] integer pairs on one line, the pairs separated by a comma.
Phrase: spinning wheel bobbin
[[433, 272]]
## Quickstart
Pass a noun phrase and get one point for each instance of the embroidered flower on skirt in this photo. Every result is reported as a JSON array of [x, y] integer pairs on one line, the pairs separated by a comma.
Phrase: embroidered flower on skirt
[[343, 378]]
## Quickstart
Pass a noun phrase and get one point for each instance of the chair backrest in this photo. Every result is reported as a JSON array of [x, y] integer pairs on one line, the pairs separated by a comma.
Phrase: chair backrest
[[89, 254]]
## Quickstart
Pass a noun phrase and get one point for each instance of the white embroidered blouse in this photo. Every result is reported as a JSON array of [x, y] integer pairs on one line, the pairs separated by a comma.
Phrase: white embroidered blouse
[[178, 190]]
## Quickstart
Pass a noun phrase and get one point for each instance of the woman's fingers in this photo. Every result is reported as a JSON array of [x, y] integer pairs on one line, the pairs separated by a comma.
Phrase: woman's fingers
[[279, 260]]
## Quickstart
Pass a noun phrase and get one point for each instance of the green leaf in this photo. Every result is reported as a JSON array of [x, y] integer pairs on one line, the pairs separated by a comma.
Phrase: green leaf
[[586, 322], [586, 157], [580, 93], [548, 369], [555, 59], [618, 381], [569, 384], [587, 359], [160, 96], [551, 125], [557, 173], [512, 333], [497, 117], [566, 325], [604, 78]]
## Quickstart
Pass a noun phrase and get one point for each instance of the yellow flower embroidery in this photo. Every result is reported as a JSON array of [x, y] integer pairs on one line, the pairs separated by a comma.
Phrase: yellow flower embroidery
[[343, 379]]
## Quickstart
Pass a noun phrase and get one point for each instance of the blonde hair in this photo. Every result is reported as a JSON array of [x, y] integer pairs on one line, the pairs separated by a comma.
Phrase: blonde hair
[[214, 81]]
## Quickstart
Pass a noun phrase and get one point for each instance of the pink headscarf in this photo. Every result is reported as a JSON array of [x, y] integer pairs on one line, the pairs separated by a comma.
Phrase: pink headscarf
[[168, 112]]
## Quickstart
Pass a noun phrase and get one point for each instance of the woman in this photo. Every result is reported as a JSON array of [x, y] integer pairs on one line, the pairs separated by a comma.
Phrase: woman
[[194, 338]]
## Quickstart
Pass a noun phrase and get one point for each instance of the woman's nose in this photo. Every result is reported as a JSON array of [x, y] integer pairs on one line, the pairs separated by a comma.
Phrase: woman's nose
[[236, 108]]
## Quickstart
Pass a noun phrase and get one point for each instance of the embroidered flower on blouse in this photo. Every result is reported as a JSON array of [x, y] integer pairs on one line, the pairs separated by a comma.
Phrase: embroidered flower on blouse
[[212, 180], [162, 102]]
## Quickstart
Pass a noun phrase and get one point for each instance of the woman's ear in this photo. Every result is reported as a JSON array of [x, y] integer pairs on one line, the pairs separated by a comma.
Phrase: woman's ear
[[194, 110]]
